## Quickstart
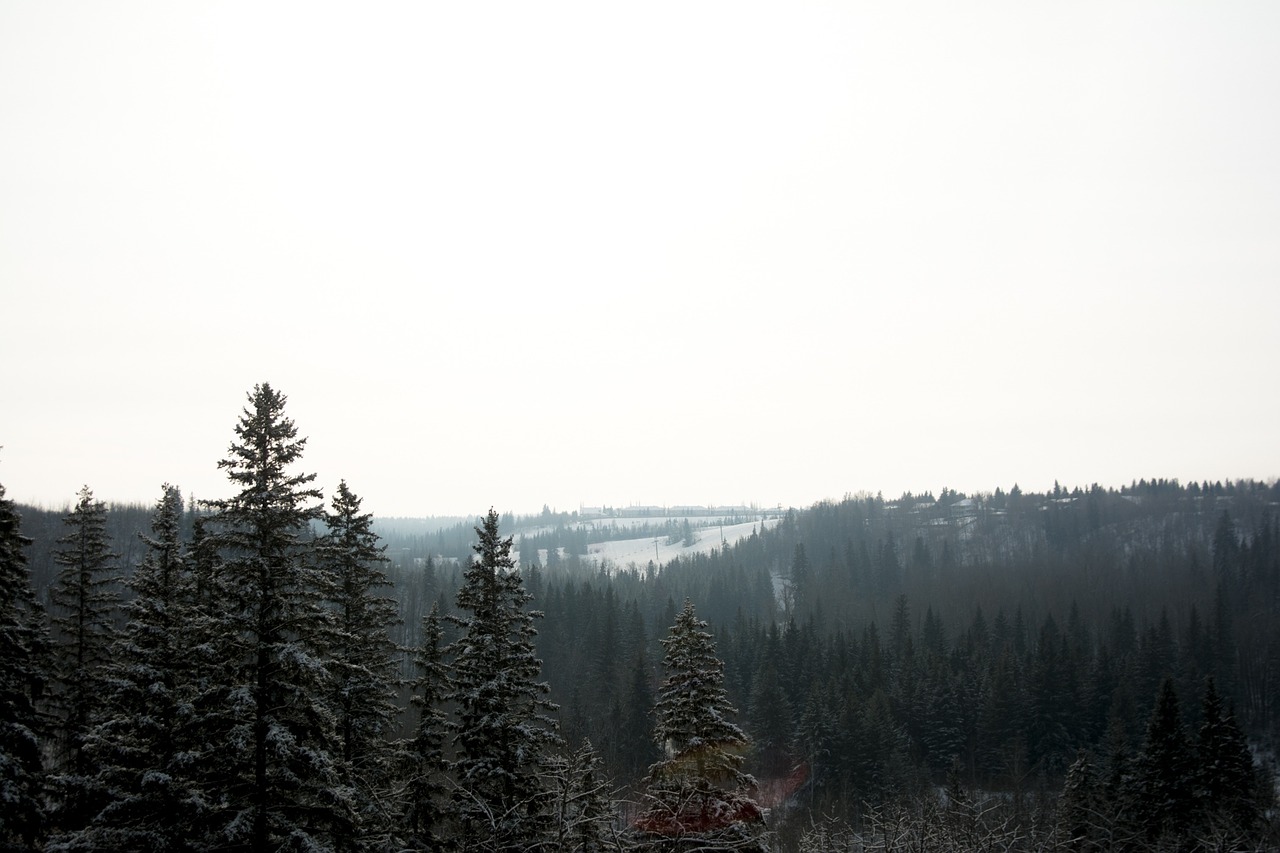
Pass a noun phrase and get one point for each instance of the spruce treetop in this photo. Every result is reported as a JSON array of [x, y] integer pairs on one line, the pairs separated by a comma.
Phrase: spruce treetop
[[502, 733], [693, 708], [266, 444], [273, 634]]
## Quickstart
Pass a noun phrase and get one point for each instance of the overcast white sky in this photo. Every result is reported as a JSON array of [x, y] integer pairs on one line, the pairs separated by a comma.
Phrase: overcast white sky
[[592, 253]]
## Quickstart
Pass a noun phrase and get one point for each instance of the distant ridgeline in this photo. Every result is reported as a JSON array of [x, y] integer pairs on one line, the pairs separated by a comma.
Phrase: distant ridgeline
[[1063, 643], [1148, 546]]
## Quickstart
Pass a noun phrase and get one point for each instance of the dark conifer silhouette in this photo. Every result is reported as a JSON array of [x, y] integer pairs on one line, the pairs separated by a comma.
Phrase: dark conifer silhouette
[[503, 735], [361, 659], [425, 789], [145, 752], [278, 767], [1164, 773], [84, 600], [1226, 782], [24, 673]]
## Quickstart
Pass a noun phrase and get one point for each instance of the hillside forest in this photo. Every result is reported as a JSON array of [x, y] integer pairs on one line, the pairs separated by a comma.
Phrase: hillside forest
[[1089, 668]]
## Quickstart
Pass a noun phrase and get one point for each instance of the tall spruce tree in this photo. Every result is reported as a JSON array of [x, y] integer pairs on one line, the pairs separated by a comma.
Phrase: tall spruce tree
[[84, 598], [1227, 784], [144, 751], [502, 735], [425, 790], [1163, 773], [24, 672], [278, 769], [696, 795], [362, 660]]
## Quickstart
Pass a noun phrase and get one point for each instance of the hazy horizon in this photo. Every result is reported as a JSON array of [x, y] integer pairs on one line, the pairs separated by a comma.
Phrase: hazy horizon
[[620, 508]]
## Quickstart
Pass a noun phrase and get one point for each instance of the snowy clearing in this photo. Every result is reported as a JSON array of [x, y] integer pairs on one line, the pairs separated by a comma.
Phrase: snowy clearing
[[626, 552]]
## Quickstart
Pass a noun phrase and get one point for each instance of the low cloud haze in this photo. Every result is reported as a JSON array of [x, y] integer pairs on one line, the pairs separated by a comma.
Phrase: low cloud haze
[[511, 255]]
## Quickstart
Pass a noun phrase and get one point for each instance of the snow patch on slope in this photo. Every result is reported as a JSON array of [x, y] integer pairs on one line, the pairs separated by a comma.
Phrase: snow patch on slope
[[639, 552]]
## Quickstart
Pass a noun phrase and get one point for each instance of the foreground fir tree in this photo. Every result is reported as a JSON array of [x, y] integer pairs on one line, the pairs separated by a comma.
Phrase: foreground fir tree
[[24, 648], [1164, 772], [362, 660], [84, 599], [276, 766], [503, 736], [425, 791], [697, 796], [143, 750], [1228, 788]]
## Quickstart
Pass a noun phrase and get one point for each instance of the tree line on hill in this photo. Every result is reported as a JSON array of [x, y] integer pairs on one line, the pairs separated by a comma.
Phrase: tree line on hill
[[1081, 669]]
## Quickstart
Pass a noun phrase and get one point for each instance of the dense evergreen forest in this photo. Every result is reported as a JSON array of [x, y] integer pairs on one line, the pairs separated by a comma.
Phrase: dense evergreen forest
[[1086, 669]]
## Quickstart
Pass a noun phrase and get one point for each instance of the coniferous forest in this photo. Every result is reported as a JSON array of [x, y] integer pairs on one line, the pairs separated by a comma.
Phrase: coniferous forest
[[1091, 668]]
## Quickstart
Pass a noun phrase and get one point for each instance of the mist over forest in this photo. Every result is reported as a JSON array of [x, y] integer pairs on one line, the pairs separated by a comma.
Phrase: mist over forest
[[1093, 667], [676, 393]]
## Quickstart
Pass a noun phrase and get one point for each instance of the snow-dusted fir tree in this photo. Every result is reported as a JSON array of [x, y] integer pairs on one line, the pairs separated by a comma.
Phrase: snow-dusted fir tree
[[362, 661], [24, 648], [143, 751], [84, 599], [275, 757], [425, 790], [1164, 773], [1229, 791], [697, 797], [502, 735]]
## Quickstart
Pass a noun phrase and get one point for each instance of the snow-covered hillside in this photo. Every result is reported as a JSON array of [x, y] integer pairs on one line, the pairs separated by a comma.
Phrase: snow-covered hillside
[[622, 553]]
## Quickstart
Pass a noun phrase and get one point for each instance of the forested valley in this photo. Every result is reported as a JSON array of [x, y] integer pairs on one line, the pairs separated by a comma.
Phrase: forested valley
[[1091, 668]]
